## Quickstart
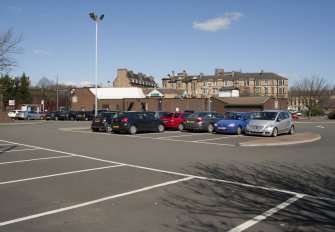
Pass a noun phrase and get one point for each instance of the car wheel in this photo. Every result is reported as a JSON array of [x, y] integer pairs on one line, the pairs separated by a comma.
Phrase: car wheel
[[210, 128], [238, 130], [108, 127], [291, 131], [132, 130], [161, 128], [95, 129], [180, 127], [275, 132], [56, 118], [28, 117]]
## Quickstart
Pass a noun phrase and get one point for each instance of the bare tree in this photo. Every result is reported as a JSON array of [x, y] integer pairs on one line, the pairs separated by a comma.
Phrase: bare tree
[[9, 46], [311, 91]]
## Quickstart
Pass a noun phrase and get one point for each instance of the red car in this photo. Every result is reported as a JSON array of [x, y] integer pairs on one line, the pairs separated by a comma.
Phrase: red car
[[175, 120], [294, 115]]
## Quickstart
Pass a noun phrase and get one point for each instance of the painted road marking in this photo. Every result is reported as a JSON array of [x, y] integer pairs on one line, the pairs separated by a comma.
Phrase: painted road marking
[[267, 214], [29, 160], [180, 174], [59, 174], [92, 202]]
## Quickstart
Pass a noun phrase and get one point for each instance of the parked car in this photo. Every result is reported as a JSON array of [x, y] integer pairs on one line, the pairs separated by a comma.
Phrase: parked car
[[271, 123], [28, 115], [102, 122], [294, 115], [52, 115], [234, 122], [133, 122], [12, 113], [175, 120], [202, 121], [156, 114], [43, 114], [84, 116], [67, 115]]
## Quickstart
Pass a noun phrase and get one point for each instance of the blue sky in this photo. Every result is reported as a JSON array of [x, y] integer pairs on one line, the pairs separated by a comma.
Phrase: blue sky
[[295, 39]]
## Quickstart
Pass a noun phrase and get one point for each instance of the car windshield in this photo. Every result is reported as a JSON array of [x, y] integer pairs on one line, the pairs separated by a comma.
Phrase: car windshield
[[265, 115], [198, 115], [167, 115], [233, 116]]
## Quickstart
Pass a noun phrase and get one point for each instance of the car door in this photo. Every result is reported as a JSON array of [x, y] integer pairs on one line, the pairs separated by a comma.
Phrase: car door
[[149, 122], [281, 124], [245, 119]]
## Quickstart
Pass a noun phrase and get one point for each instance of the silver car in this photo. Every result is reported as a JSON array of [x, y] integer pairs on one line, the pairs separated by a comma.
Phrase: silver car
[[28, 115], [270, 123]]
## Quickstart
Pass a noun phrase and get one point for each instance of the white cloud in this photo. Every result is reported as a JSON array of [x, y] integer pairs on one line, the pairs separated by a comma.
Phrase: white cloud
[[218, 23], [41, 52]]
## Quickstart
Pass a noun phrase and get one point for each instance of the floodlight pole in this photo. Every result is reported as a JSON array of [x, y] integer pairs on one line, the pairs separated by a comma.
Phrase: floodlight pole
[[96, 19]]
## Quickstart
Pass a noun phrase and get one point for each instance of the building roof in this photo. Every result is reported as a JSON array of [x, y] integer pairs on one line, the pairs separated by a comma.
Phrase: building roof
[[177, 92], [227, 76], [244, 101], [118, 93]]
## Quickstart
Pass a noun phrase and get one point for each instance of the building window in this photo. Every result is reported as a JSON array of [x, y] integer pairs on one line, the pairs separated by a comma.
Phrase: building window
[[266, 91], [280, 91], [74, 99], [257, 90], [236, 83], [215, 83], [272, 90], [280, 82], [225, 83], [266, 82], [246, 83], [257, 83]]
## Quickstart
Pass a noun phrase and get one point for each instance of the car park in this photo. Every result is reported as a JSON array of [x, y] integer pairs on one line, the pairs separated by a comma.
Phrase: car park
[[133, 122], [202, 121], [175, 120], [271, 123], [102, 122], [234, 123], [28, 115]]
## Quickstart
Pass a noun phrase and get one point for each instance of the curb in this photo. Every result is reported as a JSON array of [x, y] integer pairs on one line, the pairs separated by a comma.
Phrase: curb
[[283, 140]]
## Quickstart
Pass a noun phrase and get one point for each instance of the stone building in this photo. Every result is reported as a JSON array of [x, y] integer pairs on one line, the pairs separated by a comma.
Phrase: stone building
[[248, 84], [126, 78]]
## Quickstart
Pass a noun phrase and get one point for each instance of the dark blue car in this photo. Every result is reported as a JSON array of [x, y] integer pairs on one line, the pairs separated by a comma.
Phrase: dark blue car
[[233, 123]]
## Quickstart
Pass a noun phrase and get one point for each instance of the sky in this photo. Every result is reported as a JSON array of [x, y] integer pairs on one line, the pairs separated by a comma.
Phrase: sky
[[292, 38]]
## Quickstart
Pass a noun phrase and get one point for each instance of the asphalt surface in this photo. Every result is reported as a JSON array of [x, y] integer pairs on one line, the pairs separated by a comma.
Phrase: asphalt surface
[[60, 176]]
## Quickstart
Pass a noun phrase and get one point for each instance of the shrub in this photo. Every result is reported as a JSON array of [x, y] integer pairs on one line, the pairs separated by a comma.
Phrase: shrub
[[316, 111], [331, 115]]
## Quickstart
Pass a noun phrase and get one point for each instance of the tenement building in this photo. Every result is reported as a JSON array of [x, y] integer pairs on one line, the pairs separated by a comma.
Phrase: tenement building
[[247, 84], [127, 78]]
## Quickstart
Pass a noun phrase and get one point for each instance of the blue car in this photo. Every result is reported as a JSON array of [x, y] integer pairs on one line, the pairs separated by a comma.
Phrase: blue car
[[233, 123]]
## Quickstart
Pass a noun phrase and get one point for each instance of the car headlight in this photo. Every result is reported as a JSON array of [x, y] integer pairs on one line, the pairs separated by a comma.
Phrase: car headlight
[[269, 126], [215, 124], [231, 125]]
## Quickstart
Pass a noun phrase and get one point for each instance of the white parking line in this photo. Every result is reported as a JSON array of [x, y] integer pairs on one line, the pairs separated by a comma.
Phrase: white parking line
[[267, 214], [176, 136], [59, 174], [223, 137], [29, 160], [92, 202], [27, 149], [181, 174]]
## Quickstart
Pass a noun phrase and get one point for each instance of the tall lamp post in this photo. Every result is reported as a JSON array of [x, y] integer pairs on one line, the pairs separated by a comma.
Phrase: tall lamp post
[[96, 19]]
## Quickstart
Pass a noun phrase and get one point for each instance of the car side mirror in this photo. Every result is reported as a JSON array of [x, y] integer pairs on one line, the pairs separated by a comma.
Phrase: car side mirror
[[278, 120]]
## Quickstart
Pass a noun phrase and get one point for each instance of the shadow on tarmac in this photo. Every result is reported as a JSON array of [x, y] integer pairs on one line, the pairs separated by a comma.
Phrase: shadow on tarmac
[[216, 206]]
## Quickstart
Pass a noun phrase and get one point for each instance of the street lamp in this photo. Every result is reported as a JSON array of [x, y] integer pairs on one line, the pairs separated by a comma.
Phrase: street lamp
[[95, 18]]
